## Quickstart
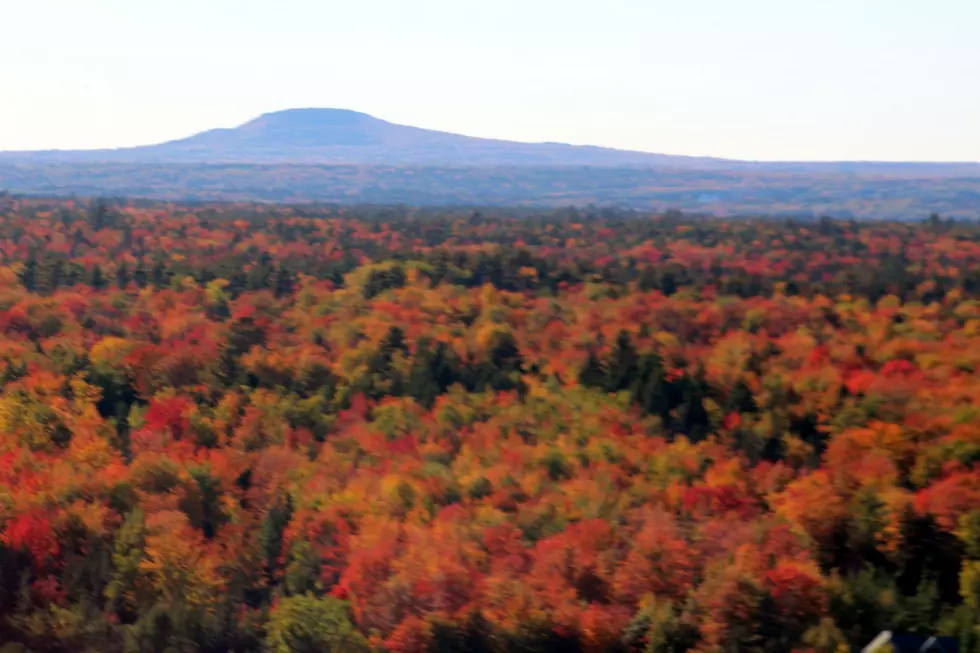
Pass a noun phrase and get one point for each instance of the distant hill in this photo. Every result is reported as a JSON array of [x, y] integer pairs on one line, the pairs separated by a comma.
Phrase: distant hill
[[342, 137], [339, 136], [335, 155]]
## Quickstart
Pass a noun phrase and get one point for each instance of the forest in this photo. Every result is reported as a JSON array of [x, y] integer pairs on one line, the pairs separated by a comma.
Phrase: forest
[[807, 191], [376, 429]]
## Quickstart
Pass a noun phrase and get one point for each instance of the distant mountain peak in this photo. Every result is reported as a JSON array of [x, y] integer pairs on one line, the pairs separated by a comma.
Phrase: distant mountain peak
[[321, 111], [311, 116], [344, 137]]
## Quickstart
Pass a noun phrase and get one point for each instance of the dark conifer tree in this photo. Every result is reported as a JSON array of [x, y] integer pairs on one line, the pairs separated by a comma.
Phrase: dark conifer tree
[[622, 369], [592, 375]]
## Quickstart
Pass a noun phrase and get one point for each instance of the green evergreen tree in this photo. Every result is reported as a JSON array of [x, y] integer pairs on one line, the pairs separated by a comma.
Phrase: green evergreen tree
[[694, 417], [160, 274], [592, 374], [504, 365], [622, 369], [122, 275], [282, 282], [97, 279], [740, 399], [98, 215], [382, 379], [272, 531], [652, 392], [434, 370], [28, 274], [140, 275]]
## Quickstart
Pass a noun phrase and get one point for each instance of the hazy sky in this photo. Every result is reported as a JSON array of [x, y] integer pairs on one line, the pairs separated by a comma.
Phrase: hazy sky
[[761, 79]]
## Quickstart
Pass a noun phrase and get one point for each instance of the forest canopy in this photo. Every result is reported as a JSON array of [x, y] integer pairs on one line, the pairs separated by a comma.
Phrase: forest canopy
[[863, 191], [232, 427]]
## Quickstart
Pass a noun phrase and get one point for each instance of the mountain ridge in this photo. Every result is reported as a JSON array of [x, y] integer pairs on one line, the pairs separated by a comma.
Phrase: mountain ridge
[[347, 137], [333, 136], [344, 156]]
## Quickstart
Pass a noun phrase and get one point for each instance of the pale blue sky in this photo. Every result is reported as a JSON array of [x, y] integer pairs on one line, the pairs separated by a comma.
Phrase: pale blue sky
[[760, 79]]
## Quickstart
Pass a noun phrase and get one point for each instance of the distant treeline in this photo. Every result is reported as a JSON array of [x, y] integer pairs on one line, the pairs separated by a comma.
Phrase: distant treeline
[[738, 191]]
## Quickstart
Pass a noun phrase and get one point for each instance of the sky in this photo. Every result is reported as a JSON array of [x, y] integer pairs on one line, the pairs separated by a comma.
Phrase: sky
[[749, 79]]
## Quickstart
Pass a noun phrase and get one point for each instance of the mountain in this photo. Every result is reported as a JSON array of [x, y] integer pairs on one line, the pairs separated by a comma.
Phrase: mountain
[[343, 137], [339, 136], [335, 155]]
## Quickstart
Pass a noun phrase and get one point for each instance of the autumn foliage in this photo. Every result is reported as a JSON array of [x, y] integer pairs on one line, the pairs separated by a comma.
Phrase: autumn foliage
[[306, 429]]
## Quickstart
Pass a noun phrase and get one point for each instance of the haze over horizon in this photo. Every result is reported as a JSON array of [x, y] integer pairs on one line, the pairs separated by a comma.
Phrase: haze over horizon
[[759, 80]]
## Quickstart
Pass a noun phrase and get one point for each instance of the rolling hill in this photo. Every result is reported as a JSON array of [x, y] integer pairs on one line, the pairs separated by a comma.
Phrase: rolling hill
[[339, 136], [335, 155], [343, 137]]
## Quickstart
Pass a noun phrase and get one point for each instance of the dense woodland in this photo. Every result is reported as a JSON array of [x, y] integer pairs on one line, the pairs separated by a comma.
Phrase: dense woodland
[[242, 428], [862, 191]]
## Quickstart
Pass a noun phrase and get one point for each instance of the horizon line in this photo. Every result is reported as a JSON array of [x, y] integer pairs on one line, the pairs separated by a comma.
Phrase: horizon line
[[714, 158]]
